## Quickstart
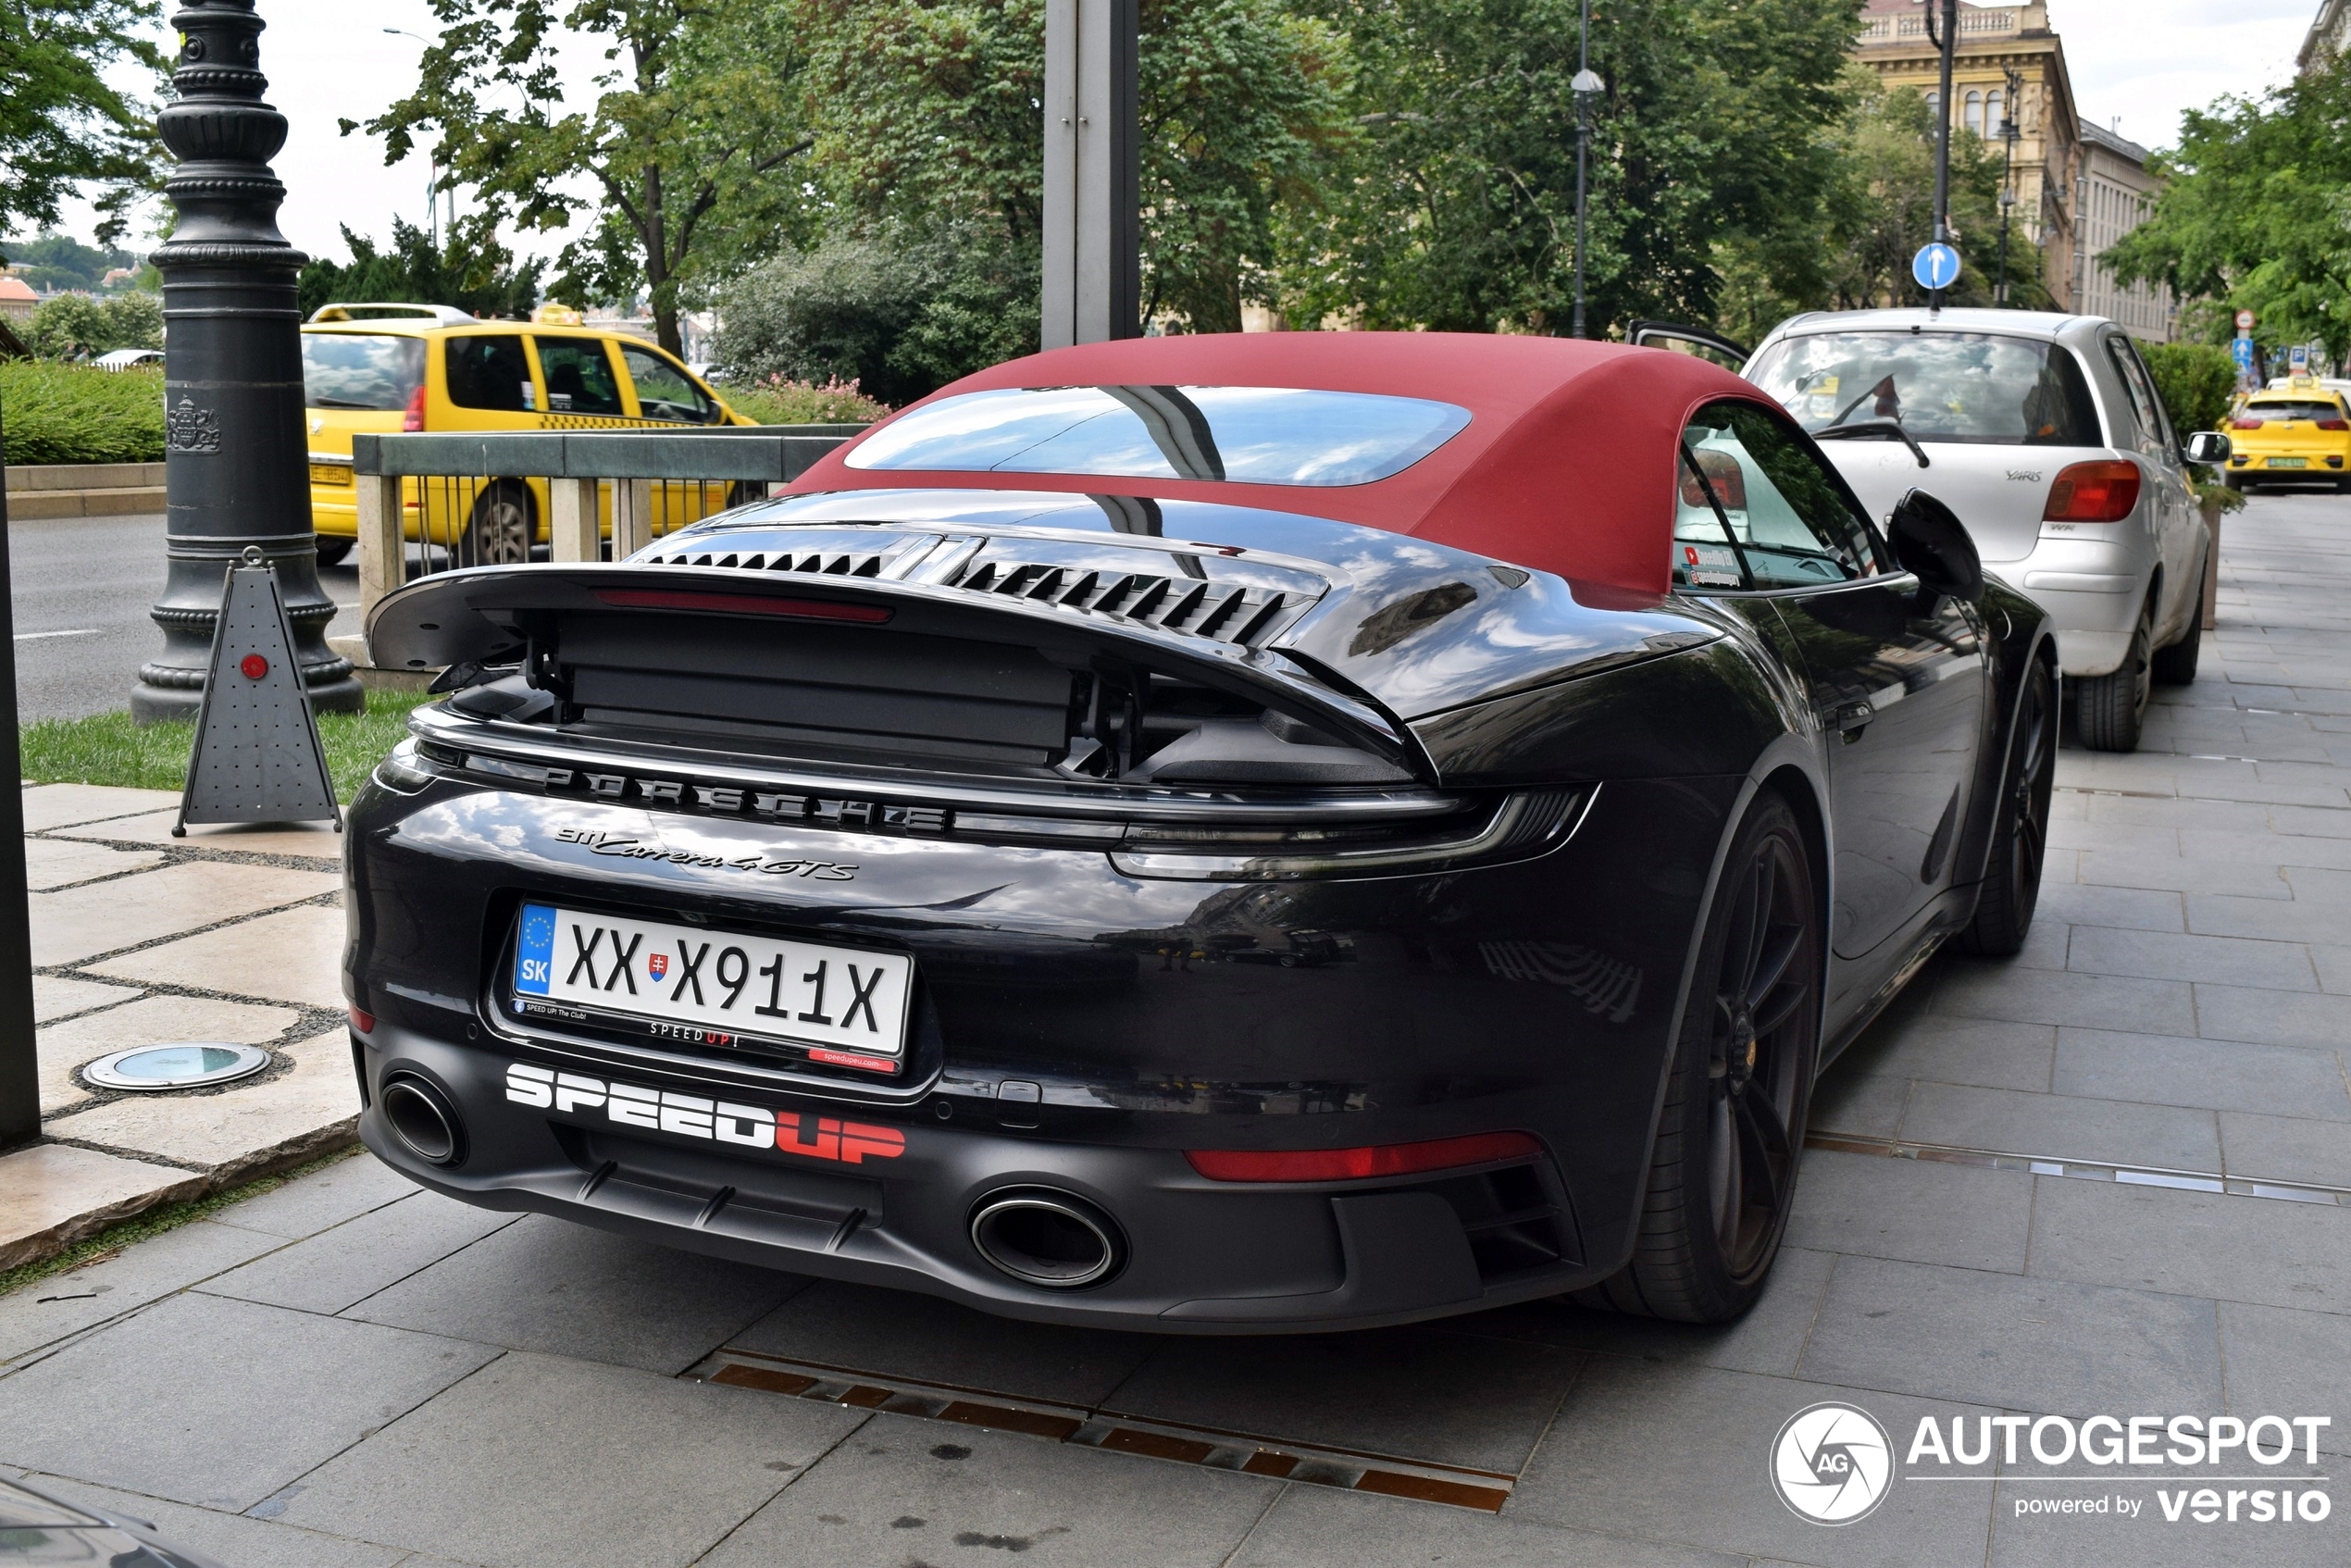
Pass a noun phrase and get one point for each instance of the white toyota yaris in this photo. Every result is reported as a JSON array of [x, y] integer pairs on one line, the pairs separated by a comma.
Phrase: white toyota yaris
[[2045, 434]]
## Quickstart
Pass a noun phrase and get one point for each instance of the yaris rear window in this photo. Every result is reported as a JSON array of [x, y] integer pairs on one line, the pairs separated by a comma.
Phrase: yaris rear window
[[359, 371], [1983, 388], [1247, 435]]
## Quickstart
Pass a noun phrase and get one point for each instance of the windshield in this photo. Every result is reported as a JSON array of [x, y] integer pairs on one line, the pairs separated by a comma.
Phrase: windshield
[[1247, 435], [358, 370], [2256, 409], [1966, 386]]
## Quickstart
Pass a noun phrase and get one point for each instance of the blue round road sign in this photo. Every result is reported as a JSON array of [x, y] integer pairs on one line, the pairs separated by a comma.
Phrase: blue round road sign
[[1936, 266]]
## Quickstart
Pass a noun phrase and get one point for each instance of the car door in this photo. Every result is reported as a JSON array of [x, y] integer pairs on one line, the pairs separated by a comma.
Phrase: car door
[[2178, 526], [1895, 676]]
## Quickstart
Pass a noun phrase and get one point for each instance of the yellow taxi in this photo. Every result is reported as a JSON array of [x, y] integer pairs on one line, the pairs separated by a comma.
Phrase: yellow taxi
[[390, 367], [2294, 433]]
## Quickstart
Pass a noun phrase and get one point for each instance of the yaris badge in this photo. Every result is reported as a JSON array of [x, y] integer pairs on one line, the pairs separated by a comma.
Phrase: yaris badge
[[1832, 1464]]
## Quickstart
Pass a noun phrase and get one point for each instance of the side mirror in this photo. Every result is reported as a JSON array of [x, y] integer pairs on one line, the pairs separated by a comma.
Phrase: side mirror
[[2207, 446], [1932, 543]]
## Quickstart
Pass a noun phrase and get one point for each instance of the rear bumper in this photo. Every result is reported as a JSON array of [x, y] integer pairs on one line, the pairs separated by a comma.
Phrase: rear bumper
[[1198, 1256], [2093, 589]]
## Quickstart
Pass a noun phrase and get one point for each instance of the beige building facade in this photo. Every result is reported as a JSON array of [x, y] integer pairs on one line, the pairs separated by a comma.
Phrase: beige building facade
[[1996, 41], [2330, 33], [2113, 195]]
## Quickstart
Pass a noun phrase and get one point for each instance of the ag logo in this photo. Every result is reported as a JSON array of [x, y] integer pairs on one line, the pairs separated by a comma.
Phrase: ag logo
[[1832, 1464]]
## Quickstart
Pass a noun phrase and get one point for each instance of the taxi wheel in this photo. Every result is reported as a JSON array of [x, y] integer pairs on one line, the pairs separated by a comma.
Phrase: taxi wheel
[[499, 532], [2233, 481], [331, 550]]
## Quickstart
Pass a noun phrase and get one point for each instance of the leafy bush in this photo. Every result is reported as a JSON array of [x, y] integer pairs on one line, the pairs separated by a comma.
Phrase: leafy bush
[[82, 327], [2197, 383], [775, 401], [53, 413], [899, 311]]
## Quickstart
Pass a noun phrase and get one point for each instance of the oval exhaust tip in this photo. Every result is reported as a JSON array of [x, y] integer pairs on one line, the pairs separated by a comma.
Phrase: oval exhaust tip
[[1048, 1238], [423, 1120]]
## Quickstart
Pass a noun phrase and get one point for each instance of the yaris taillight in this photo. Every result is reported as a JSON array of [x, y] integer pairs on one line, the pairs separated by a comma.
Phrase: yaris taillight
[[2103, 491]]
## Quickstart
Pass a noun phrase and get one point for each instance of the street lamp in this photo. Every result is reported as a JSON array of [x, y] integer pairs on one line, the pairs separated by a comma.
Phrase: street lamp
[[236, 466], [2009, 131], [1588, 86]]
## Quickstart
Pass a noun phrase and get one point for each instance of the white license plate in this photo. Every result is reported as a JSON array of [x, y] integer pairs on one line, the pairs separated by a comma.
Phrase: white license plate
[[845, 1006], [2289, 462]]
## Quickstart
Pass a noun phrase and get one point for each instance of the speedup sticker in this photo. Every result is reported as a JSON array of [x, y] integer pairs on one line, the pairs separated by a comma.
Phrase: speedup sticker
[[689, 1115]]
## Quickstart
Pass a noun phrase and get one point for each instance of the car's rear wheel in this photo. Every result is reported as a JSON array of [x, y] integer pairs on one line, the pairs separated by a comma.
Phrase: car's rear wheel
[[2110, 710], [1723, 1169], [2012, 887], [332, 548], [498, 534]]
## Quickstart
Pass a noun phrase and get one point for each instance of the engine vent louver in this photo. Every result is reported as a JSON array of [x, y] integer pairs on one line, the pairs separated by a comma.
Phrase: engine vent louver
[[1204, 596]]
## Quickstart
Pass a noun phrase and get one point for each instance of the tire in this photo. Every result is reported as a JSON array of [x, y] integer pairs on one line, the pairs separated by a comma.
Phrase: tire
[[2011, 888], [2342, 485], [1722, 1172], [2234, 483], [2110, 710], [332, 548], [500, 530], [2175, 665]]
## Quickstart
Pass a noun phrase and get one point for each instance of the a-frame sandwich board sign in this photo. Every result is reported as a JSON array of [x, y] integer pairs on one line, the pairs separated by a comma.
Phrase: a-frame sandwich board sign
[[257, 756]]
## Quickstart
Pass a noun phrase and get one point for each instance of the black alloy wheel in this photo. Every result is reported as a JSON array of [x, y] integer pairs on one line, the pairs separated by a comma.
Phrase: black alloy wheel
[[499, 532], [2110, 710], [1723, 1172], [2011, 888]]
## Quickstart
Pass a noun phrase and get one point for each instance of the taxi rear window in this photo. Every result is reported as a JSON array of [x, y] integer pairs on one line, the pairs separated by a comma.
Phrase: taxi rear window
[[360, 369], [1246, 435], [2284, 411]]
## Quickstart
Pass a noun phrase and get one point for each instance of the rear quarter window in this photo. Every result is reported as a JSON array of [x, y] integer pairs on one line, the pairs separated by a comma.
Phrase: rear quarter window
[[360, 369]]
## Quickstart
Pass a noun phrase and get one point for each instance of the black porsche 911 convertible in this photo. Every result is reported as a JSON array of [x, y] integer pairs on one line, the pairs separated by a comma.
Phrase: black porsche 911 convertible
[[1214, 834]]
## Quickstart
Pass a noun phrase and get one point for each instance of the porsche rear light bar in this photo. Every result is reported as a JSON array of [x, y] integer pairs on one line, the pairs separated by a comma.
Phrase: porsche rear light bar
[[1373, 1160], [742, 605], [2101, 491]]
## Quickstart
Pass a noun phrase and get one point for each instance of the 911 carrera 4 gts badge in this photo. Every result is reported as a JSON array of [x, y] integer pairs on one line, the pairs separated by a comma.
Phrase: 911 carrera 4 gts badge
[[622, 846], [746, 1126]]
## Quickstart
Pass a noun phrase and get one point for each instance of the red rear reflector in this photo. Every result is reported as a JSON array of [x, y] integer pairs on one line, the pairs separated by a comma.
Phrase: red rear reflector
[[414, 419], [851, 1059], [742, 605], [2334, 424], [1379, 1160], [2093, 492], [364, 1021]]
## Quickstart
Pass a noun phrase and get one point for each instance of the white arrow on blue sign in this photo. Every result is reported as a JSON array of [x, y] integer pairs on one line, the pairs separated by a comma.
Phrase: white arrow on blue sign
[[1936, 266], [2243, 349]]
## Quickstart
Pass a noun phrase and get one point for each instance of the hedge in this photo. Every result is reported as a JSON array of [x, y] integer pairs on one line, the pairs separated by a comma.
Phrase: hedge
[[72, 413]]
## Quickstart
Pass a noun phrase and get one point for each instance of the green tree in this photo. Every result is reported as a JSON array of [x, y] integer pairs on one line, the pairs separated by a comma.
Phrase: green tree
[[473, 271], [685, 159], [2196, 381], [64, 126], [2254, 213], [1458, 207], [933, 111], [79, 327]]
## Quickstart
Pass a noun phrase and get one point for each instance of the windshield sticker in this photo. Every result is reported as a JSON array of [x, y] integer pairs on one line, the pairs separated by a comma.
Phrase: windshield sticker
[[1710, 566]]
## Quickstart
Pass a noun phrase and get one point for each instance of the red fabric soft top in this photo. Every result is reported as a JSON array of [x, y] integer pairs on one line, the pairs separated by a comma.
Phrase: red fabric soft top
[[1567, 464]]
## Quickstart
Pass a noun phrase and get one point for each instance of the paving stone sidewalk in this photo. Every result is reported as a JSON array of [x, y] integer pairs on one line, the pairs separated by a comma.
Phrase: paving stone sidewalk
[[2144, 1122], [138, 939]]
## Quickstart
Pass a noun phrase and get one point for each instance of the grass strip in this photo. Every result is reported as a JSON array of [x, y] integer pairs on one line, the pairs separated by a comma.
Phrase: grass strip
[[154, 1222], [111, 749]]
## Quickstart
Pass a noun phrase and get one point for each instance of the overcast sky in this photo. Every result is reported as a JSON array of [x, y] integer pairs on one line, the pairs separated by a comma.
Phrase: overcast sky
[[2138, 62]]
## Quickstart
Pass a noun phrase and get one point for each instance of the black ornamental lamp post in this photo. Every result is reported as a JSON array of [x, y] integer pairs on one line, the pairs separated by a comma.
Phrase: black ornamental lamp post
[[235, 455]]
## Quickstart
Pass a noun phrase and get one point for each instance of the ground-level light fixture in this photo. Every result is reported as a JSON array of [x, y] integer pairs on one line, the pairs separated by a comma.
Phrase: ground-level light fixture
[[187, 1064]]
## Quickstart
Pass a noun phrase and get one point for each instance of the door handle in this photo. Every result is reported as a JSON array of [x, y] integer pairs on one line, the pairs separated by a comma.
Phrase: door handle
[[1852, 718]]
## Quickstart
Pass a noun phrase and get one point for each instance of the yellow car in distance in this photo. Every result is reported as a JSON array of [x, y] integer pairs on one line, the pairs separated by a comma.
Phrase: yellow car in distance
[[392, 367], [2292, 434]]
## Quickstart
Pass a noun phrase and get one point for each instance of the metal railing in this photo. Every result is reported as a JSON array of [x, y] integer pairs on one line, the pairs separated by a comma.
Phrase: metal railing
[[586, 495]]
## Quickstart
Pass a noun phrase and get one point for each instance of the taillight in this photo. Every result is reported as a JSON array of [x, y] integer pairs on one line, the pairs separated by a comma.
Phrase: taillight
[[364, 1021], [2334, 424], [1347, 1164], [2244, 424], [2093, 492], [414, 419]]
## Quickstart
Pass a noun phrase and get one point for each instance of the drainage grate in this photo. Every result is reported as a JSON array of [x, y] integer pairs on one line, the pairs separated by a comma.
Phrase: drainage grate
[[2083, 1170], [1344, 1469]]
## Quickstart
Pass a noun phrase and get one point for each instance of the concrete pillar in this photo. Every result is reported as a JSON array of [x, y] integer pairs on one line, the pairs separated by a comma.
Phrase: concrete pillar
[[1092, 222], [574, 530]]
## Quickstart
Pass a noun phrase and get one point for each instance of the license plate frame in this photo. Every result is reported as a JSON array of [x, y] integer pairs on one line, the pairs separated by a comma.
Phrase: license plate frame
[[2289, 462], [330, 473], [854, 1009]]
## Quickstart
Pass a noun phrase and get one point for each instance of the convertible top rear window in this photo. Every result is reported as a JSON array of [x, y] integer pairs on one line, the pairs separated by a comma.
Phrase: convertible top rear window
[[1982, 388], [1246, 435]]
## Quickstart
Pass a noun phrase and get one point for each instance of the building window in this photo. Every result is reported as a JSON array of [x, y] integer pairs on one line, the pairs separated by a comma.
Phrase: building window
[[1934, 106], [1973, 115], [1991, 116]]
